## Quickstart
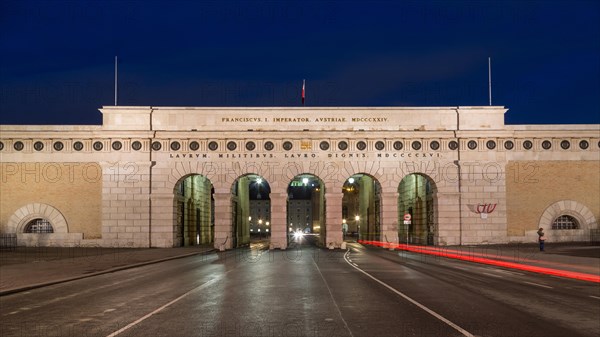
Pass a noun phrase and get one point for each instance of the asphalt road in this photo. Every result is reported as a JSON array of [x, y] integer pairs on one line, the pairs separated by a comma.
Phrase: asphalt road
[[306, 291]]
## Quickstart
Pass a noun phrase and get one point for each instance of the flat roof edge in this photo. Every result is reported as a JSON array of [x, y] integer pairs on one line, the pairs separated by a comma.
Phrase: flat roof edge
[[48, 127], [110, 107], [551, 127]]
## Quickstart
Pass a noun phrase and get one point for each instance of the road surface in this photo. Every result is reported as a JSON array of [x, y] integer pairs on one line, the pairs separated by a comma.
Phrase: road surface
[[307, 291]]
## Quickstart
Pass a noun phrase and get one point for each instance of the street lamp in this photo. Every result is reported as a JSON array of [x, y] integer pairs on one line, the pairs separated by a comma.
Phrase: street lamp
[[258, 182]]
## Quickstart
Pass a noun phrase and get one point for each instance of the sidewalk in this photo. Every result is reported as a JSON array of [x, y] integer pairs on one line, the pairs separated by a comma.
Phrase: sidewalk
[[27, 268]]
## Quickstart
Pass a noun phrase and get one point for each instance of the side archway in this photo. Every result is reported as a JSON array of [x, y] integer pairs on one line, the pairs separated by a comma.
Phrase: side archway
[[361, 208], [250, 210], [193, 211], [417, 209]]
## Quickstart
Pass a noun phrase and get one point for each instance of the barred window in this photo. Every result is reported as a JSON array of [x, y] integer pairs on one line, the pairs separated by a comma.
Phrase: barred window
[[565, 222], [39, 226]]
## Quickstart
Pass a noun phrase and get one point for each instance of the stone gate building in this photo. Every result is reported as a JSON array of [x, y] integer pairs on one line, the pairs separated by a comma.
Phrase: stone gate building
[[172, 176]]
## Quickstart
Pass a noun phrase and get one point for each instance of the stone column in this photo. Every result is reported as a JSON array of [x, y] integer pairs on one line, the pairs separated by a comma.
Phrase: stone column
[[333, 219], [125, 204], [162, 208], [448, 220], [278, 220], [389, 217], [223, 221], [162, 224]]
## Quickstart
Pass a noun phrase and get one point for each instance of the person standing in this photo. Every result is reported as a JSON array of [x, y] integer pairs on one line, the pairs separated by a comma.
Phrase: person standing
[[541, 238]]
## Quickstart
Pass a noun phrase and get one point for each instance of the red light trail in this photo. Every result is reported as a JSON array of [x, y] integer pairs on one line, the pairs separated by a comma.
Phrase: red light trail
[[454, 254]]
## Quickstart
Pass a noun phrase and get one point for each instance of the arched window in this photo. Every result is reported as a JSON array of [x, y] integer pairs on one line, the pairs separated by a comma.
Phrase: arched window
[[565, 222], [39, 226]]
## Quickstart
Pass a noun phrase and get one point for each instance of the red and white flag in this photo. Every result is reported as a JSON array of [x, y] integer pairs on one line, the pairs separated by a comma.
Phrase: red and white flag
[[303, 90]]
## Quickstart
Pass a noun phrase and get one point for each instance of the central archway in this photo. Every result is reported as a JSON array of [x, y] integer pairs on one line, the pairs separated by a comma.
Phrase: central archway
[[306, 209]]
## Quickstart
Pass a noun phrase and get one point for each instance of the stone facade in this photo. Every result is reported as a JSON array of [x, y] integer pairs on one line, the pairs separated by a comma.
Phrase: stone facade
[[462, 174]]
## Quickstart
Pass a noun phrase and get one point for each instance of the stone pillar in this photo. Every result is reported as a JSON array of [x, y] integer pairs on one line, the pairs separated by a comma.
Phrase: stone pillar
[[448, 224], [389, 217], [333, 219], [162, 224], [223, 221], [243, 194], [125, 204], [278, 220]]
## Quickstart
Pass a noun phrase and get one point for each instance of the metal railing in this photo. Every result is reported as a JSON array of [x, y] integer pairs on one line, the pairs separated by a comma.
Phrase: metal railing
[[8, 241], [595, 236]]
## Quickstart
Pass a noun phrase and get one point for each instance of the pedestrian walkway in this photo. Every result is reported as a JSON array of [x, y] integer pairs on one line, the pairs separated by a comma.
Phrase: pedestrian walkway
[[24, 268]]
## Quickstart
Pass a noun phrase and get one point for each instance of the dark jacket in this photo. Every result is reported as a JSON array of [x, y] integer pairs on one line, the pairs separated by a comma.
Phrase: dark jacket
[[540, 234]]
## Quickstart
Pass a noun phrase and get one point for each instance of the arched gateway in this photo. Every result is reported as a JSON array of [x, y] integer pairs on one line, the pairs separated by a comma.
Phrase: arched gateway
[[175, 176]]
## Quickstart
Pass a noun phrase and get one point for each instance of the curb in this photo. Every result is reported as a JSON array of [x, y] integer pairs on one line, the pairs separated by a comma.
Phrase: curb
[[107, 271]]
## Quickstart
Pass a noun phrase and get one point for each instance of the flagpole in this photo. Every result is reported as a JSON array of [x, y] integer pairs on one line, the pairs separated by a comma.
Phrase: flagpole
[[303, 91], [116, 74], [490, 79]]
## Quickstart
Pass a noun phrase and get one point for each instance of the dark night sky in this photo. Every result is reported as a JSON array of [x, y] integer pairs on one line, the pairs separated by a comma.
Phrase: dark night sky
[[56, 58]]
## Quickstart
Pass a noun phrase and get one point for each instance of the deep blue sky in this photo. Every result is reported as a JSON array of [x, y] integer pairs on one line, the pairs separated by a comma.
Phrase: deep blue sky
[[56, 58]]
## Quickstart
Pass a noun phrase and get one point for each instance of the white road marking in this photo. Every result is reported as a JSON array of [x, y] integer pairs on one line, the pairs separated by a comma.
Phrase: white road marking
[[539, 285], [333, 299], [508, 272], [204, 285], [488, 274], [431, 312], [596, 297]]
